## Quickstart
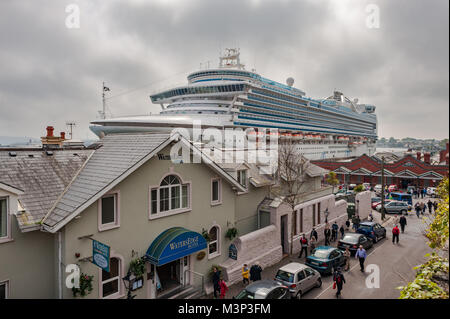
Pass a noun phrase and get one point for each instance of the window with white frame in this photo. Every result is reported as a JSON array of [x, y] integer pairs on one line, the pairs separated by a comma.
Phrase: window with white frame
[[4, 289], [4, 218], [109, 211], [213, 245], [216, 191], [111, 280], [242, 177], [171, 195]]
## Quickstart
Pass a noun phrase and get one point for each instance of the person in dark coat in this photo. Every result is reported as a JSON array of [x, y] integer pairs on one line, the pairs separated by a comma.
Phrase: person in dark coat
[[435, 206], [314, 234], [216, 280], [402, 223], [334, 231], [255, 272], [342, 231], [430, 206], [339, 280], [327, 234], [347, 224]]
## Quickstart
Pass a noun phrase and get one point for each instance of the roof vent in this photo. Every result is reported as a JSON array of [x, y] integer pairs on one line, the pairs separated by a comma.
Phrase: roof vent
[[49, 153], [12, 154], [30, 155]]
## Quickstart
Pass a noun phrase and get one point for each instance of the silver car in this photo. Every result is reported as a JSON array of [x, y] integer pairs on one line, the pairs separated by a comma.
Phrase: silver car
[[298, 278], [264, 289]]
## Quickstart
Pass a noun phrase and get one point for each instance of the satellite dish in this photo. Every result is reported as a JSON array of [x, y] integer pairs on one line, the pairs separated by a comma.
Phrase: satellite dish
[[289, 81]]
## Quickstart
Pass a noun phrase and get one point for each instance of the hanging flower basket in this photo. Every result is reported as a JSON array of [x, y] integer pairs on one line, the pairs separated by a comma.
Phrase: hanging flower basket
[[137, 266], [231, 233], [85, 286]]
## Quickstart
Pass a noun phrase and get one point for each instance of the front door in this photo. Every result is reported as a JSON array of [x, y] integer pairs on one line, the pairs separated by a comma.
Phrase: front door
[[185, 274]]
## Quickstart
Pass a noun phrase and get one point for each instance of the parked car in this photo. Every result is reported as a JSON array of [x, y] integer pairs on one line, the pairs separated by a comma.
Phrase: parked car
[[392, 188], [264, 289], [351, 186], [353, 240], [372, 230], [431, 191], [375, 205], [395, 207], [377, 188], [410, 189], [298, 278], [325, 259]]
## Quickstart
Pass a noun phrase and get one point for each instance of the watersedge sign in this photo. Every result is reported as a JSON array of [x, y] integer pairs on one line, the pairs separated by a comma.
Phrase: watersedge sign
[[173, 244], [100, 255]]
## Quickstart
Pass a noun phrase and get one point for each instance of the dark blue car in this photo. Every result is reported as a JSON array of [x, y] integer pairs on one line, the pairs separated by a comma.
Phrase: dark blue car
[[325, 259], [372, 230]]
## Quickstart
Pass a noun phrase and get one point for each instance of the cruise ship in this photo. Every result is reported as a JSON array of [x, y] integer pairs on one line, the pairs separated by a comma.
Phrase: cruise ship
[[230, 96]]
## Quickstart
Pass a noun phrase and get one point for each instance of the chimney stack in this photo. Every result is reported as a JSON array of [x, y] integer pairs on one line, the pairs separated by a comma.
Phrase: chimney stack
[[63, 135], [50, 131], [427, 158], [419, 156]]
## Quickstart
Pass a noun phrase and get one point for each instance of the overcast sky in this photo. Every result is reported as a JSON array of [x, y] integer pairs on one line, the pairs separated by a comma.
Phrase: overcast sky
[[50, 74]]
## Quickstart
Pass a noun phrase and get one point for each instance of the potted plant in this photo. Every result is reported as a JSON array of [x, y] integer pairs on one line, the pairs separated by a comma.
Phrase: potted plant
[[85, 286]]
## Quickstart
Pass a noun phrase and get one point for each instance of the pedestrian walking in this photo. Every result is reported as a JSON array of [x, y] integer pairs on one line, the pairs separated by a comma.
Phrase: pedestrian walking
[[347, 224], [403, 223], [314, 234], [312, 244], [430, 205], [255, 272], [327, 234], [334, 231], [342, 231], [418, 209], [424, 192], [424, 207], [223, 288], [361, 254], [339, 281], [216, 280], [303, 246], [347, 255], [435, 206], [370, 217], [245, 274], [415, 193], [395, 234]]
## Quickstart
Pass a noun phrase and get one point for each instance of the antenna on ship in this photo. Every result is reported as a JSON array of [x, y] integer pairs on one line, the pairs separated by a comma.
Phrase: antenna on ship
[[103, 112], [71, 124]]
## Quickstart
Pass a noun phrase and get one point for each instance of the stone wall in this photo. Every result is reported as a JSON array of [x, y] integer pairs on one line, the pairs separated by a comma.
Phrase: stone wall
[[364, 206], [261, 246]]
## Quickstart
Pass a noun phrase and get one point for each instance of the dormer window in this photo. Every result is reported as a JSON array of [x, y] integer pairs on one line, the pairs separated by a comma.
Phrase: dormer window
[[242, 177]]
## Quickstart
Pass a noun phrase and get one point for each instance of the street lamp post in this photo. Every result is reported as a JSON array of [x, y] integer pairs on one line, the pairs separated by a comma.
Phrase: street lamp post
[[128, 281]]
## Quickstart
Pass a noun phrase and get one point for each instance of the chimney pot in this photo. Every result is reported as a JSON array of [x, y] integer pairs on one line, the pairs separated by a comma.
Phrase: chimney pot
[[50, 131], [419, 156], [63, 135], [427, 158]]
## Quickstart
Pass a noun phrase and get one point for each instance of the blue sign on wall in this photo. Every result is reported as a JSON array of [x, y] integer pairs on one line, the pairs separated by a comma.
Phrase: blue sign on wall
[[100, 255], [232, 252]]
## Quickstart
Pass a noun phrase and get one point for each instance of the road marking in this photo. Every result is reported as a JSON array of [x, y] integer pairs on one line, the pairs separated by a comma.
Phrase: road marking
[[356, 265]]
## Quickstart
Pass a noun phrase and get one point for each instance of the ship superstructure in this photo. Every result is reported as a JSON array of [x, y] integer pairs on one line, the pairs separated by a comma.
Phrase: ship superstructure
[[230, 96]]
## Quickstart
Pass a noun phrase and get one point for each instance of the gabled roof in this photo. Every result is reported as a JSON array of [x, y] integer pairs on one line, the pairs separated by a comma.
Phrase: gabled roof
[[361, 171], [406, 173], [342, 169], [386, 172], [41, 177], [431, 175], [10, 189], [118, 157]]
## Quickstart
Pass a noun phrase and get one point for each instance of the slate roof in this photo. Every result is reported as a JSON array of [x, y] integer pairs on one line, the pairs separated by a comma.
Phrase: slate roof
[[41, 177], [117, 154]]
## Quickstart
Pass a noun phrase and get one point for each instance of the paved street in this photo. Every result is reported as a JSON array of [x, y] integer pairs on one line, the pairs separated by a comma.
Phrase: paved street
[[395, 263]]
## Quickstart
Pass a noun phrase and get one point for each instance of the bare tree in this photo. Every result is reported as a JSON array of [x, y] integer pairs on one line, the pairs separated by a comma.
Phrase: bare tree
[[291, 177]]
